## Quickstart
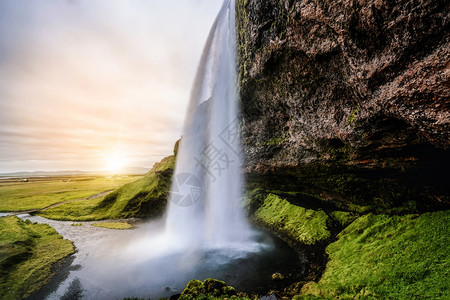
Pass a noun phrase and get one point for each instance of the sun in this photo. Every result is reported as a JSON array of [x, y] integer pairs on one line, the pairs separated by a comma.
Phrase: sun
[[115, 163]]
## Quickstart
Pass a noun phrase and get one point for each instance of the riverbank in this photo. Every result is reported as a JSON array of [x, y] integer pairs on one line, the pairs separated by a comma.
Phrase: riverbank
[[149, 267], [362, 255], [348, 255], [28, 251], [395, 256]]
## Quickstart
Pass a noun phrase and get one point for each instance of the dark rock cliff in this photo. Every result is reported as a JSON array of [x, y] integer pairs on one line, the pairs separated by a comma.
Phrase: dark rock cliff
[[347, 100]]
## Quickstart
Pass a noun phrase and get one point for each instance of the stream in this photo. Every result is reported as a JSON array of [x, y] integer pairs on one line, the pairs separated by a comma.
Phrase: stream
[[113, 264]]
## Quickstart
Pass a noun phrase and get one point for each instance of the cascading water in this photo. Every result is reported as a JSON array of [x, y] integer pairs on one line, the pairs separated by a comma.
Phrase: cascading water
[[205, 207], [204, 233]]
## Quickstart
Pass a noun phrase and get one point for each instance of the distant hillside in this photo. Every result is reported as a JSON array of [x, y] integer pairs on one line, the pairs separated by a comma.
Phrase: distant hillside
[[43, 173], [129, 170]]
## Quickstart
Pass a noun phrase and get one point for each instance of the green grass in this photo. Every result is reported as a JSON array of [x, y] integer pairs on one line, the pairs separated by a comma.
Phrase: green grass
[[38, 193], [388, 257], [352, 117], [27, 253], [114, 225], [344, 218], [145, 197], [295, 223], [75, 211]]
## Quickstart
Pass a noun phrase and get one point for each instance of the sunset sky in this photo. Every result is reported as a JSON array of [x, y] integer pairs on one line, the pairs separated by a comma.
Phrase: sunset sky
[[96, 84]]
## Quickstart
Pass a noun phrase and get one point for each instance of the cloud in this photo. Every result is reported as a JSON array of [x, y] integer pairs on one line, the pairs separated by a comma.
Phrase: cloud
[[82, 79]]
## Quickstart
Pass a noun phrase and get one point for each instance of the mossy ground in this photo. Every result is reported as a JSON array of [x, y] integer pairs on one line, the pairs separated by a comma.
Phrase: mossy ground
[[370, 256], [389, 257], [114, 225], [306, 226], [145, 197], [27, 253], [37, 193]]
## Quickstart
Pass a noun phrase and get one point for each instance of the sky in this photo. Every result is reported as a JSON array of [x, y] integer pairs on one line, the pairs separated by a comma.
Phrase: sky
[[96, 84]]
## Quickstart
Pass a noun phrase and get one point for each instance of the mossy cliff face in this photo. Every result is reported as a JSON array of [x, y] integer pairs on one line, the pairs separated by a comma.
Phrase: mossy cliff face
[[347, 100]]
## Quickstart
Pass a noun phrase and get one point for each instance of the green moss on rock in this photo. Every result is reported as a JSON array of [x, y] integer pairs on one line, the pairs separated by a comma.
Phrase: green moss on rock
[[344, 218], [296, 224], [196, 289], [388, 257]]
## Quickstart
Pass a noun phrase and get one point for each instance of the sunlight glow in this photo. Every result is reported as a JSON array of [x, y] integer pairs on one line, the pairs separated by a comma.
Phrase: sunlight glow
[[115, 163], [112, 73]]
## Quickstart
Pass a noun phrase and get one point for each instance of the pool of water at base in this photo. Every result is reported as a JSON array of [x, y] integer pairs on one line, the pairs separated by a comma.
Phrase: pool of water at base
[[113, 264]]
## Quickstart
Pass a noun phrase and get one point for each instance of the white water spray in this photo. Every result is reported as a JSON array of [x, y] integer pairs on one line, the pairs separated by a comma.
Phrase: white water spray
[[205, 233], [205, 208]]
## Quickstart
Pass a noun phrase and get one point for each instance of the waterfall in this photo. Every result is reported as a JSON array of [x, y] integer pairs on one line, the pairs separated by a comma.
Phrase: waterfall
[[204, 233], [205, 200]]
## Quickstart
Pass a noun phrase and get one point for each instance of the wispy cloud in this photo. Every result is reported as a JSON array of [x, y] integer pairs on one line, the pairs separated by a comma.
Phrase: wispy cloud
[[82, 80]]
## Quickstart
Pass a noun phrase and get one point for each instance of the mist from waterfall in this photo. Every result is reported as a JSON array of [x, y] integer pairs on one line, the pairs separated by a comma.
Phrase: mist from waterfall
[[204, 233], [204, 208]]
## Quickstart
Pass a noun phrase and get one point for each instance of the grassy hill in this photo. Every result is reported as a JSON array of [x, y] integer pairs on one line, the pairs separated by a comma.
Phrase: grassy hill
[[143, 198]]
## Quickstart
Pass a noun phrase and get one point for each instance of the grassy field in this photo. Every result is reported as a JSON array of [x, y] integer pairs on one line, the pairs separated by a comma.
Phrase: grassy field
[[38, 193], [27, 254], [75, 211], [143, 198]]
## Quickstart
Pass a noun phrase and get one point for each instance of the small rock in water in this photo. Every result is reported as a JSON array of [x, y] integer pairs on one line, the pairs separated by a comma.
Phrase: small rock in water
[[175, 297], [277, 276], [269, 297]]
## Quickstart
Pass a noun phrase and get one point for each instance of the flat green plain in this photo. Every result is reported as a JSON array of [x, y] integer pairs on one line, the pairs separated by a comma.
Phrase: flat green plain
[[38, 193]]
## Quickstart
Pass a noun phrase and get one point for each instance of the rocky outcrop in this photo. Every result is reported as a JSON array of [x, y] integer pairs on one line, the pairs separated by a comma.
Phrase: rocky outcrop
[[211, 288], [347, 100]]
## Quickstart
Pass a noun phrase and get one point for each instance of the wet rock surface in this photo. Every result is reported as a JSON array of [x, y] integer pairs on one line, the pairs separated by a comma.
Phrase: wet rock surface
[[348, 100]]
